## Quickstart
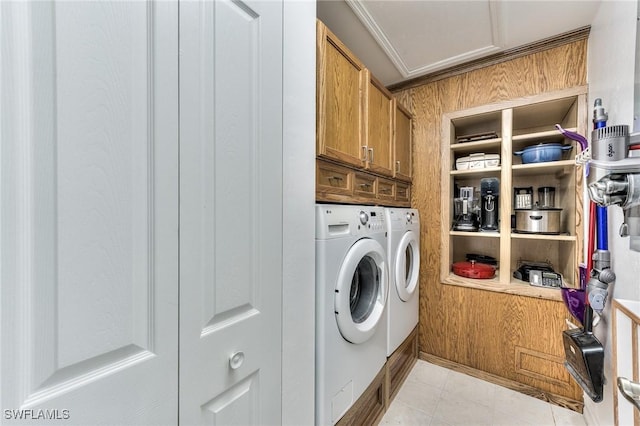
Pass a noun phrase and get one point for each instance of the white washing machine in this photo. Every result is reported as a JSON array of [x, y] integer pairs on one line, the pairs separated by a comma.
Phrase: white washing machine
[[351, 294], [403, 249]]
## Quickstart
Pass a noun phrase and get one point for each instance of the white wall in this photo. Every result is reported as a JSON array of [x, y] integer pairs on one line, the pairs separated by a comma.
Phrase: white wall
[[298, 351], [611, 68]]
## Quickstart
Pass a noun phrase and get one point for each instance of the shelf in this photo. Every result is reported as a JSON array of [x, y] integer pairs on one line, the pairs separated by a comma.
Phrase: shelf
[[476, 171], [541, 135], [485, 234], [561, 167], [515, 287], [476, 146], [545, 114], [518, 124], [546, 237]]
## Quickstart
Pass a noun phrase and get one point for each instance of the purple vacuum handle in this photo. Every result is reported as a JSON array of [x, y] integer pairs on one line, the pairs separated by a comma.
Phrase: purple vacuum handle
[[574, 136]]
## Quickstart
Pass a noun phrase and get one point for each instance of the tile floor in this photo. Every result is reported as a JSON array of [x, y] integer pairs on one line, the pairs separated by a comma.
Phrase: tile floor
[[436, 396]]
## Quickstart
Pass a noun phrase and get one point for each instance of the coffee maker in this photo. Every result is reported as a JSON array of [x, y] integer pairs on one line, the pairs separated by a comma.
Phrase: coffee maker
[[465, 211], [489, 192]]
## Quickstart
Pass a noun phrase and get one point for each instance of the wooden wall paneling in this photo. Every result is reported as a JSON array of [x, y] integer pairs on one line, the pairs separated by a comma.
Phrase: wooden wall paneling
[[451, 316]]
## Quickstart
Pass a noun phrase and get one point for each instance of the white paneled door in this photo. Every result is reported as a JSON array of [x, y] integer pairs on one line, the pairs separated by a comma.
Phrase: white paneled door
[[230, 212], [89, 212], [141, 212]]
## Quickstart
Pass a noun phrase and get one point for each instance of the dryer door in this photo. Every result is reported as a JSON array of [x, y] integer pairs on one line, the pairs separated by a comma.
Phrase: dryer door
[[361, 291], [407, 265]]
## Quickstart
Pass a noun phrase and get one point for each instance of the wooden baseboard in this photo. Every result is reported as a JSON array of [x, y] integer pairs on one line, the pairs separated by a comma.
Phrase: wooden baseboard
[[561, 401], [400, 363], [371, 406]]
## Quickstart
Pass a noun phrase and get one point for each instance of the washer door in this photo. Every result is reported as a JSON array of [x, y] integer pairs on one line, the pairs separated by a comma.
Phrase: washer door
[[407, 265], [361, 291]]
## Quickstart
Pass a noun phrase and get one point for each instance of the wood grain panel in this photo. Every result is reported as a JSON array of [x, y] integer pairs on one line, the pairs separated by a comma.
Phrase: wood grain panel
[[371, 406], [400, 363], [476, 328], [379, 116], [403, 143], [340, 90]]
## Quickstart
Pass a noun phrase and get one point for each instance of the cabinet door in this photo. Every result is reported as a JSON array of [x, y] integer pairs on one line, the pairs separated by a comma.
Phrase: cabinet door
[[379, 127], [340, 90], [403, 143]]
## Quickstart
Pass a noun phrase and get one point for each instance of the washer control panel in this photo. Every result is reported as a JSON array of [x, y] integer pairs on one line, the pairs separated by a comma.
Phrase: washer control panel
[[374, 219]]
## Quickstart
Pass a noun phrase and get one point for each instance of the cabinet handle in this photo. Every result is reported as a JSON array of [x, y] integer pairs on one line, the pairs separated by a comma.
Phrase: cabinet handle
[[364, 153], [371, 155], [335, 178], [365, 185], [385, 191], [397, 166]]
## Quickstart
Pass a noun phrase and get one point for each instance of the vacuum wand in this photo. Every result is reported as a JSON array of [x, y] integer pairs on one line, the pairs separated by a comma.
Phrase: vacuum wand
[[601, 274]]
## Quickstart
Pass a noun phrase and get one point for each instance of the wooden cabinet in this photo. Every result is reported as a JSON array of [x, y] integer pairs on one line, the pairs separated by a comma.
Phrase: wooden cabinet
[[516, 125], [333, 180], [341, 184], [341, 80], [365, 185], [403, 143], [379, 136], [357, 128]]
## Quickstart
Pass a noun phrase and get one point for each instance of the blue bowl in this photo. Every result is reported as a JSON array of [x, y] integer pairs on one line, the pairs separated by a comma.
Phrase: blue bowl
[[542, 153]]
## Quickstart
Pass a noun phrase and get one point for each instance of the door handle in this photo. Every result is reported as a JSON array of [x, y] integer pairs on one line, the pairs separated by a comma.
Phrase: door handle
[[236, 360], [630, 390]]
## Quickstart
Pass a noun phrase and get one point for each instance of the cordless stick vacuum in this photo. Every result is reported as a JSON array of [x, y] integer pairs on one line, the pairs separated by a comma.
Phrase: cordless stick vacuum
[[583, 351], [601, 275]]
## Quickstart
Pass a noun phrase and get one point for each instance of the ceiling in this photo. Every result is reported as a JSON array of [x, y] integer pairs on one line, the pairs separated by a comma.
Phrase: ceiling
[[399, 40]]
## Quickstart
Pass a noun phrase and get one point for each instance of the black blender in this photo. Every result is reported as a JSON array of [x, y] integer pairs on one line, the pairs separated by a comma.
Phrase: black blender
[[489, 192]]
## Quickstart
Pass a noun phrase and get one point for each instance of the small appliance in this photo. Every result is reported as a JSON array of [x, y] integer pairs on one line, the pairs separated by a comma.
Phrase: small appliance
[[547, 196], [523, 197], [465, 211], [489, 192]]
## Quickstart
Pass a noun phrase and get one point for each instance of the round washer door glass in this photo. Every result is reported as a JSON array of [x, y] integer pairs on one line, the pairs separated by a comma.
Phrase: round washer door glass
[[407, 266], [361, 291]]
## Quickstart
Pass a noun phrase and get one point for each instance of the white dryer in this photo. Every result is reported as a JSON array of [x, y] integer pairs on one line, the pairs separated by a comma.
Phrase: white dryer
[[403, 249], [351, 294]]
